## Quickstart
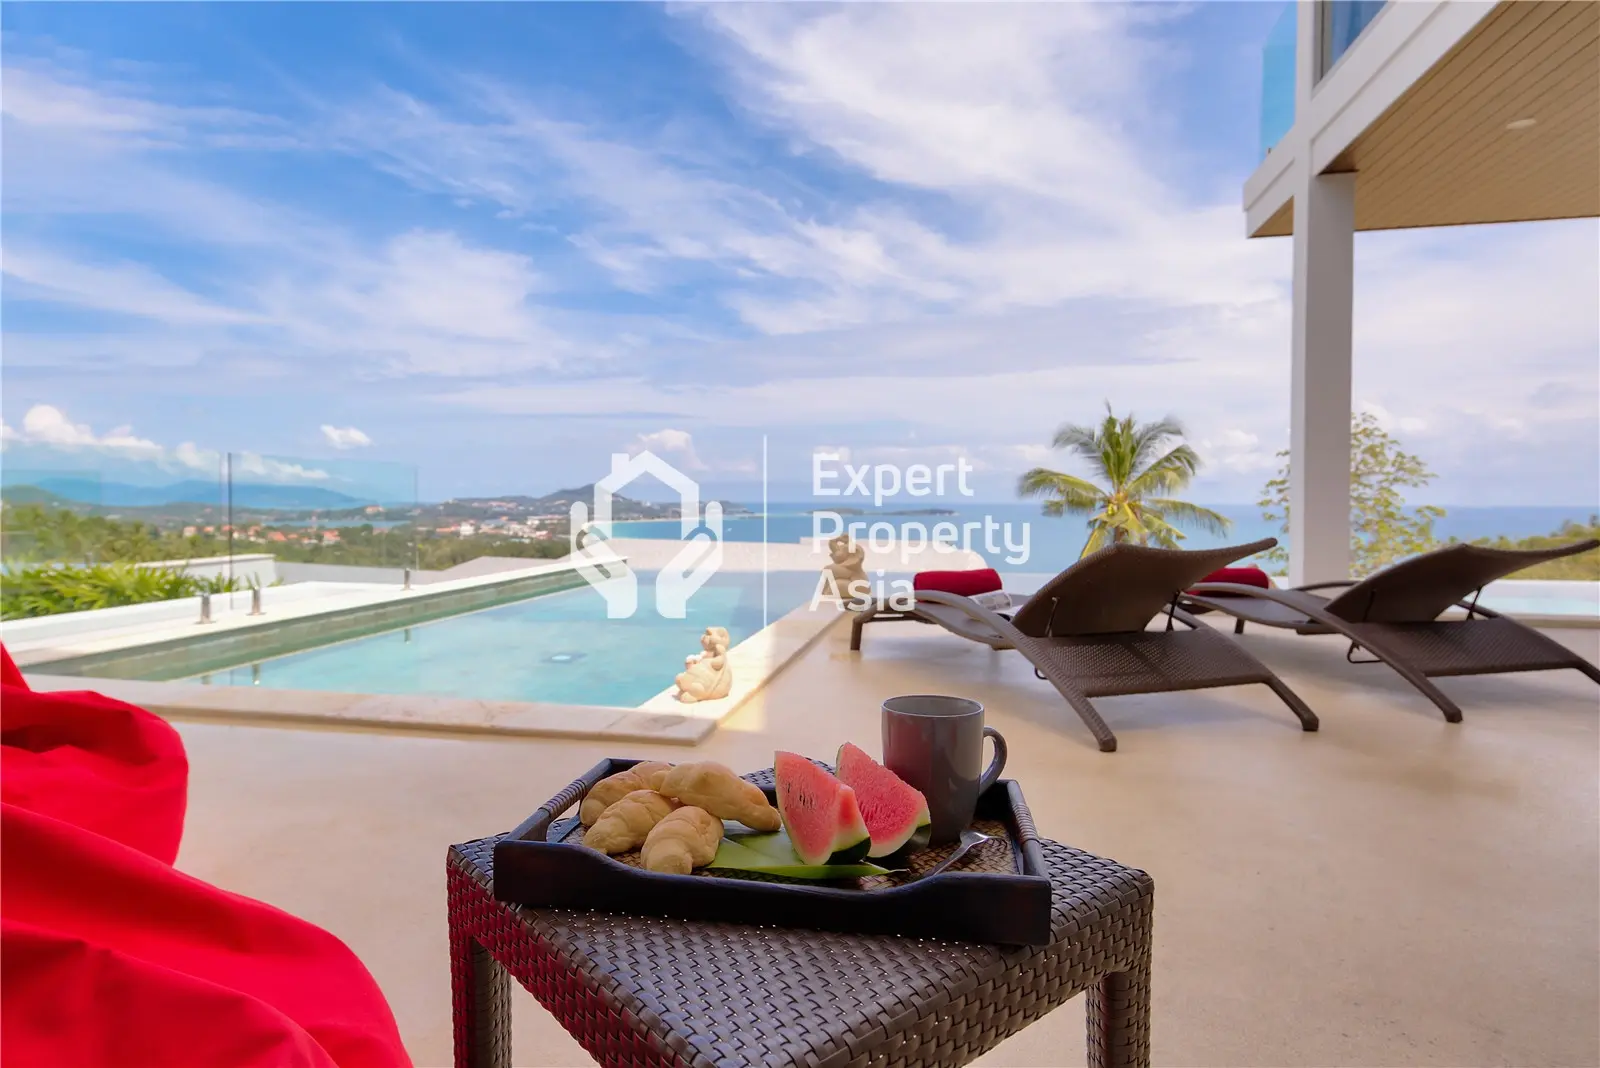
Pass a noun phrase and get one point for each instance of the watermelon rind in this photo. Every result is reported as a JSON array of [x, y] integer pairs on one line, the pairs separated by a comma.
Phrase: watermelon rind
[[819, 812], [896, 814]]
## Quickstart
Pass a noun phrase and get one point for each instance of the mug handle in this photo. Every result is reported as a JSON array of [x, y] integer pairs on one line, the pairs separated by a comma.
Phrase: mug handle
[[998, 764]]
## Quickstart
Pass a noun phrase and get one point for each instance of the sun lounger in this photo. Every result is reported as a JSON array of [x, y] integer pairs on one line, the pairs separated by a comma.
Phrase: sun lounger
[[1395, 616], [1085, 630]]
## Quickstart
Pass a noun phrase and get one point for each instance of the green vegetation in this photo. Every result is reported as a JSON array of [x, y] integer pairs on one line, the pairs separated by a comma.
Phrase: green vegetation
[[50, 589], [1583, 567], [38, 533], [1382, 529], [1140, 464]]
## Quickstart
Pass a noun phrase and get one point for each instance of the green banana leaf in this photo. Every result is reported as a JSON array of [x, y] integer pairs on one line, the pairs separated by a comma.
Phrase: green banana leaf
[[772, 854]]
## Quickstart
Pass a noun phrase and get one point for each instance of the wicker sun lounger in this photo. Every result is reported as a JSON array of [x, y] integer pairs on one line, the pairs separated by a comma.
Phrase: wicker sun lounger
[[1084, 631], [1394, 616]]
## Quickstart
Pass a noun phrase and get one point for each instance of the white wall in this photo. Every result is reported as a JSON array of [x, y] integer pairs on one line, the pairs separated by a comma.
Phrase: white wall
[[259, 568]]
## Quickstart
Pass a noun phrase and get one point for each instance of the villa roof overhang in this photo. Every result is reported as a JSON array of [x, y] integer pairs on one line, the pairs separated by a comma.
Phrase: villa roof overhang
[[1457, 147]]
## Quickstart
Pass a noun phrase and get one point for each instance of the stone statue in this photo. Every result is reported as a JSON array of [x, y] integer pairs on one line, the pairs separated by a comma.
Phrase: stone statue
[[846, 569], [706, 674]]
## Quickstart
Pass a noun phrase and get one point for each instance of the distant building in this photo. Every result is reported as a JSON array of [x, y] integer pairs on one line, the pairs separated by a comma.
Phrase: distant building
[[211, 530], [190, 532], [467, 529], [330, 537], [374, 509], [277, 535]]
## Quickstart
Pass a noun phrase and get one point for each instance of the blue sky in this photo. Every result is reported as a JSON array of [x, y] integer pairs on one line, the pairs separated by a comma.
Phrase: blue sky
[[500, 242]]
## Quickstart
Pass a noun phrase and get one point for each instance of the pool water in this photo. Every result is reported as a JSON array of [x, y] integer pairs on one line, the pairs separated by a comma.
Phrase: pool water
[[557, 648]]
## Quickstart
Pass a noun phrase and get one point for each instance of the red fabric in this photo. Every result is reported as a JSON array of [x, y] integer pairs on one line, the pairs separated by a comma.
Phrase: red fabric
[[1240, 576], [111, 957], [961, 583]]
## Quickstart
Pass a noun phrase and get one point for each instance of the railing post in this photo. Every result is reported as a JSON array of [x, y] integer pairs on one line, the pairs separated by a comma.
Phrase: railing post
[[408, 578], [255, 601], [205, 608]]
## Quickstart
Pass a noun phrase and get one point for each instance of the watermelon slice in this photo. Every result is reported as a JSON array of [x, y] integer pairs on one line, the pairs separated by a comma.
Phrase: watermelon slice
[[893, 811], [819, 812]]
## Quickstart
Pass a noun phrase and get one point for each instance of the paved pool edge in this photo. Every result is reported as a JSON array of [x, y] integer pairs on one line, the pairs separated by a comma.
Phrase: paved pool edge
[[755, 661]]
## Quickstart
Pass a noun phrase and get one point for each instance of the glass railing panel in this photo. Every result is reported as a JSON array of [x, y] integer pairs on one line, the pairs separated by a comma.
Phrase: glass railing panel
[[1278, 79], [357, 516], [93, 526], [1342, 23]]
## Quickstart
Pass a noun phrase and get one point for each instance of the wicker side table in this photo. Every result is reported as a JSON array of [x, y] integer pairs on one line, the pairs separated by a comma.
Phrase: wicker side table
[[641, 991]]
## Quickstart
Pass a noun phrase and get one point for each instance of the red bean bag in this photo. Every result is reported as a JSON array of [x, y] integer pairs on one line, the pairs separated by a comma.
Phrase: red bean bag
[[961, 583], [111, 957]]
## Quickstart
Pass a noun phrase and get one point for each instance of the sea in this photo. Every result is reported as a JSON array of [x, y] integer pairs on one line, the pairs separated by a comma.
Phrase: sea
[[1019, 539]]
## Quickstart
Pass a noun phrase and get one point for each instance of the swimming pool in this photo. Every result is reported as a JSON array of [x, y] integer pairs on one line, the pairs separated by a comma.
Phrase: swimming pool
[[558, 648]]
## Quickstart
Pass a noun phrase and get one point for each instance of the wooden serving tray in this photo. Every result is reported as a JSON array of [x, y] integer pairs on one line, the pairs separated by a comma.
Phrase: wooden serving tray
[[999, 892]]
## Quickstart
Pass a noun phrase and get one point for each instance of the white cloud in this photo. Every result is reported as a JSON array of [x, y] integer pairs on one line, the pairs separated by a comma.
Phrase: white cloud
[[125, 288], [667, 442], [48, 432], [45, 424], [250, 463], [347, 437]]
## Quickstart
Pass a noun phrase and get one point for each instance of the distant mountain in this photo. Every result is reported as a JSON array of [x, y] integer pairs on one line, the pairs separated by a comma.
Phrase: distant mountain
[[189, 491]]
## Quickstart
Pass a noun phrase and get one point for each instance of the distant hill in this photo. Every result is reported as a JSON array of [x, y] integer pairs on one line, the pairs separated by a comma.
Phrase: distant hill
[[189, 491], [560, 503]]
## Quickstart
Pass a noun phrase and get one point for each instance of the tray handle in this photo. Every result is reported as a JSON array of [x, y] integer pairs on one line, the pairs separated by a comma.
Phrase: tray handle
[[537, 826], [1027, 834]]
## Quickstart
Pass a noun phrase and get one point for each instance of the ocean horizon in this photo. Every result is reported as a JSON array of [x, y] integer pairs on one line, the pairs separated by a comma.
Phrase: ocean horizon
[[1053, 543]]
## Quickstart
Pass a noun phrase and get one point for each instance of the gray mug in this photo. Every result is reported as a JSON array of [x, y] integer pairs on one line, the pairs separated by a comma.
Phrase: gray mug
[[936, 745]]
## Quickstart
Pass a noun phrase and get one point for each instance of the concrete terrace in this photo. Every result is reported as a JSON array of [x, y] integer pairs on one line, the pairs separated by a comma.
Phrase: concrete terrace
[[1393, 890]]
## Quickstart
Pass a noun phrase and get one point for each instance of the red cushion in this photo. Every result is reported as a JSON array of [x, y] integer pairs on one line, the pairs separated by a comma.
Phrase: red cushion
[[1240, 576], [961, 583]]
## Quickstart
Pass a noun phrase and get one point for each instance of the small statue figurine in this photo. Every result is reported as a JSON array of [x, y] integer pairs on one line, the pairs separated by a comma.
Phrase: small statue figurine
[[847, 569], [706, 674]]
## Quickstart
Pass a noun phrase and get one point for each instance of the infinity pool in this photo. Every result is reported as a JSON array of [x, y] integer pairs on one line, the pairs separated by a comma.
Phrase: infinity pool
[[558, 648]]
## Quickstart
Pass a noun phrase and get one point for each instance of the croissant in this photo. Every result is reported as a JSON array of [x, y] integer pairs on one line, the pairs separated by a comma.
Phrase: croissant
[[613, 788], [720, 792], [684, 840], [626, 824]]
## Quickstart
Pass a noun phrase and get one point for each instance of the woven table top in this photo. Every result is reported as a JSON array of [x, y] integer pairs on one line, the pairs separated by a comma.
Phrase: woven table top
[[718, 994]]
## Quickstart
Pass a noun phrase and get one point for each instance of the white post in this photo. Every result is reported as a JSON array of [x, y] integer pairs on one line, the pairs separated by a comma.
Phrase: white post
[[1319, 382]]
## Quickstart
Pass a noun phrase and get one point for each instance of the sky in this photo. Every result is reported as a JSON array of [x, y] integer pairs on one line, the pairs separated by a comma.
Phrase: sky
[[499, 243]]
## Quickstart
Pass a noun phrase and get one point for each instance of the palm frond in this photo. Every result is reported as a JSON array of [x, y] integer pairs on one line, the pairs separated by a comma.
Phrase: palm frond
[[1149, 438], [1083, 442], [1173, 470], [1066, 494], [1100, 535], [1161, 533], [1182, 513]]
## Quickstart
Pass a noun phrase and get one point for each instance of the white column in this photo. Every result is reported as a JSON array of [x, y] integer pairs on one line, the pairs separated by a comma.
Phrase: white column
[[1319, 419]]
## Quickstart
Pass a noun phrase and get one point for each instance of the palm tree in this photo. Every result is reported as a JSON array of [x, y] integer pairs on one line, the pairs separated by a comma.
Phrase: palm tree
[[1140, 463]]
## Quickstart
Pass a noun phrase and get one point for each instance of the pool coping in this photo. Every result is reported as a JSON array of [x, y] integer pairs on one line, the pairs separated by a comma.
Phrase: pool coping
[[662, 719], [237, 637]]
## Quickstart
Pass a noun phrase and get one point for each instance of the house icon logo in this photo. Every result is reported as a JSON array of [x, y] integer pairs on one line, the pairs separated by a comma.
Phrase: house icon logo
[[690, 568]]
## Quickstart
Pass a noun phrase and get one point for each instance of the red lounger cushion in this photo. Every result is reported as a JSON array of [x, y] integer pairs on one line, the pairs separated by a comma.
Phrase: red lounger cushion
[[961, 583], [1240, 576]]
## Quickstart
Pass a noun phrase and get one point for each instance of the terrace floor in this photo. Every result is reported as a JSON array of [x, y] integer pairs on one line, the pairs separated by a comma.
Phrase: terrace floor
[[1393, 890]]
